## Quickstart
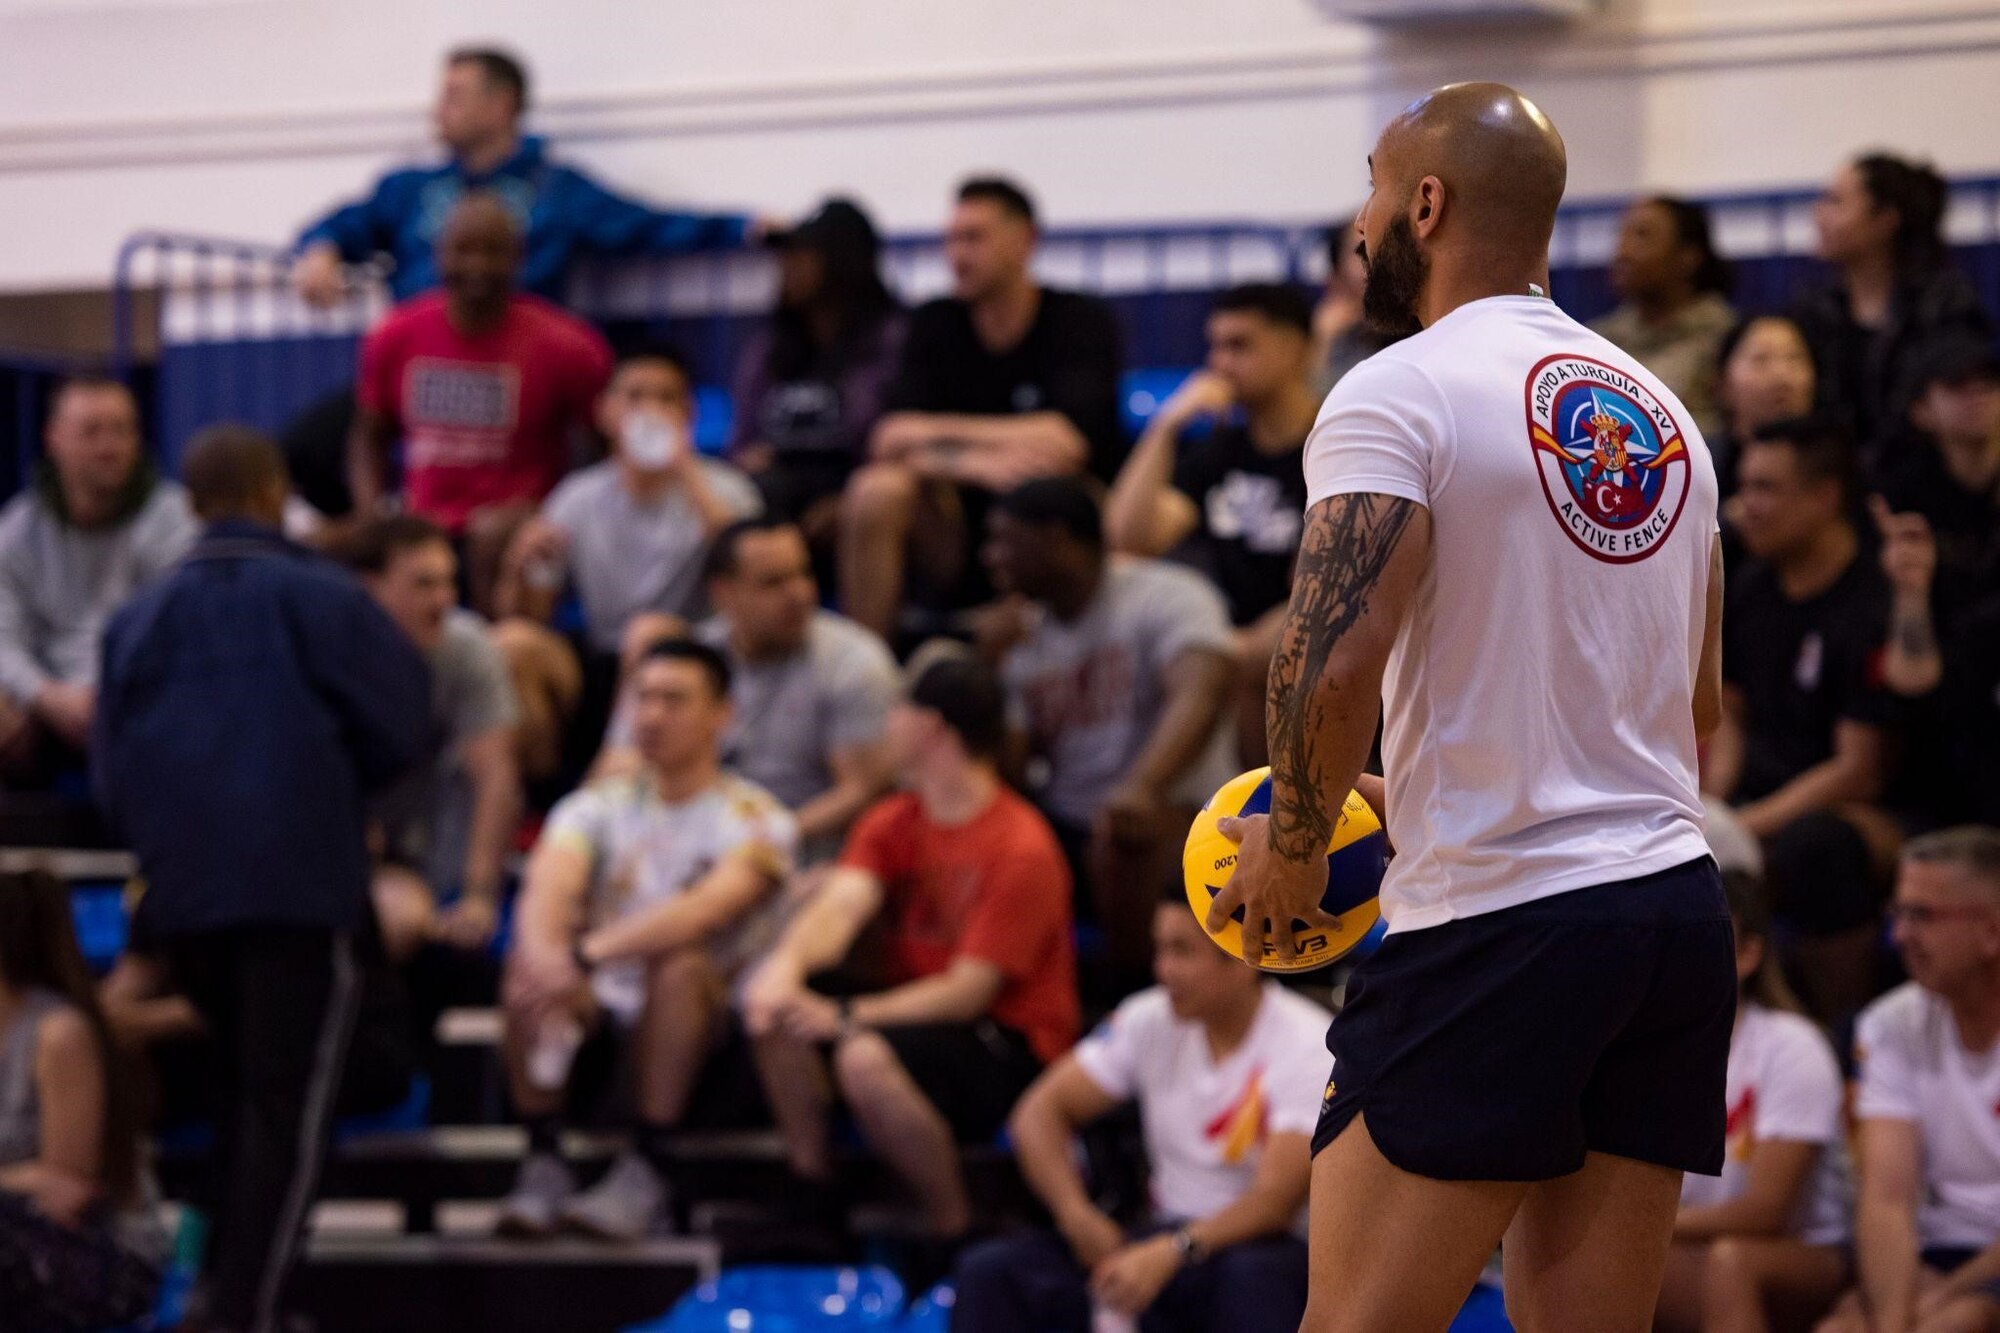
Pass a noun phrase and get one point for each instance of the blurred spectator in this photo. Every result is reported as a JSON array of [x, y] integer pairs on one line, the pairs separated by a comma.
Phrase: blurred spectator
[[1000, 382], [629, 534], [1764, 374], [1342, 339], [447, 827], [562, 211], [1673, 292], [640, 905], [69, 1150], [1801, 750], [485, 388], [1218, 468], [811, 690], [250, 702], [810, 384], [1765, 1243], [1953, 770], [1227, 1069], [1928, 1140], [1951, 475], [1881, 227], [1120, 677], [94, 524], [971, 888]]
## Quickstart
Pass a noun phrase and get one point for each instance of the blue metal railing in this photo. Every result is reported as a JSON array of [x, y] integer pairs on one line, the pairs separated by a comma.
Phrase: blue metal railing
[[233, 343]]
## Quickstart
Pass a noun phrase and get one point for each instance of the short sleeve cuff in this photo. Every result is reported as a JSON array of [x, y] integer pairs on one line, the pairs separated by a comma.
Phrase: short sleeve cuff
[[1095, 1063], [1400, 488]]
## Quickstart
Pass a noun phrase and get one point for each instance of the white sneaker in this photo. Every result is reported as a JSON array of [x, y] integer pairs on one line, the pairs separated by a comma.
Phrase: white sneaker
[[543, 1187], [629, 1204]]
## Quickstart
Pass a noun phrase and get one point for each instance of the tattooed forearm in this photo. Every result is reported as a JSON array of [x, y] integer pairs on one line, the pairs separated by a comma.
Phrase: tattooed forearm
[[1346, 546]]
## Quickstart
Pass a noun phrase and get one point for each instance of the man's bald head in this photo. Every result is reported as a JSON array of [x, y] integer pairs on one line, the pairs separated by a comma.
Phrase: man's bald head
[[1462, 200], [482, 213], [479, 250], [1500, 162]]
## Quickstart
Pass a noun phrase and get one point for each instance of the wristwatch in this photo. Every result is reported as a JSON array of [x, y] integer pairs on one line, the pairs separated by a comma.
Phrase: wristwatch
[[1188, 1247]]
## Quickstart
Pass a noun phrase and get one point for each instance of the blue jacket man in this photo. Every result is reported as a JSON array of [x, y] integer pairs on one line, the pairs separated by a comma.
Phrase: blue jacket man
[[560, 210], [249, 700]]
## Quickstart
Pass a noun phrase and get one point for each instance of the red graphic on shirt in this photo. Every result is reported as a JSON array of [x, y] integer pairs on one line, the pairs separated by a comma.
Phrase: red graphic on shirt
[[1241, 1124], [1094, 691], [1736, 1129]]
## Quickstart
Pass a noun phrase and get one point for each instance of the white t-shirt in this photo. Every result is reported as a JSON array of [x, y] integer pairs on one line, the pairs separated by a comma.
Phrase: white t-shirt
[[1205, 1121], [1784, 1085], [1913, 1067], [1539, 730], [644, 850]]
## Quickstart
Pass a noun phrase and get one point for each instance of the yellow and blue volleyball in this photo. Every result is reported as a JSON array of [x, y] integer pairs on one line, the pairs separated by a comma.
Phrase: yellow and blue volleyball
[[1355, 860]]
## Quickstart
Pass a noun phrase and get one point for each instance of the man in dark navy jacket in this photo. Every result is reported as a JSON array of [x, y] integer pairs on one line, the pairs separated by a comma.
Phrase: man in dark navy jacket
[[249, 702]]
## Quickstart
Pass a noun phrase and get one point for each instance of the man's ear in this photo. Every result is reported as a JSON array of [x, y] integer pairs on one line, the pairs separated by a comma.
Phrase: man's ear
[[1427, 206]]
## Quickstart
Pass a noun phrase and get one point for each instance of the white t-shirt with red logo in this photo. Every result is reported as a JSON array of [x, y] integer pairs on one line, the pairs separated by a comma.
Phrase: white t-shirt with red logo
[[1539, 728], [1205, 1120], [1783, 1086], [1913, 1067]]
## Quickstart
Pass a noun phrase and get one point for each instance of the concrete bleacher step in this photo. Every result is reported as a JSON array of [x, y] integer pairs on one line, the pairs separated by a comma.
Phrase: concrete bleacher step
[[425, 1172], [479, 1284]]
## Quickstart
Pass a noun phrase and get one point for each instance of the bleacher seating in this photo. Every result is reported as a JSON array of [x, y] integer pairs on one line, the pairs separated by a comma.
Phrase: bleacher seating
[[234, 344]]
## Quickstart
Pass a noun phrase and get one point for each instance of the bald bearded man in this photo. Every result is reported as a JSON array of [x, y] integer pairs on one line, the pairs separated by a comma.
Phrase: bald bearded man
[[1511, 554]]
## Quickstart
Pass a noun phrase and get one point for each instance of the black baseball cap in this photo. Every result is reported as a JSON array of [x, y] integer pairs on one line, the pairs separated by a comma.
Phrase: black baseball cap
[[834, 225], [1955, 359]]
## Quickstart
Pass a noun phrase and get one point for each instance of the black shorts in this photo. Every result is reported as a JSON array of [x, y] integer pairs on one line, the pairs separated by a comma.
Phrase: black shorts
[[727, 1095], [972, 1072], [1507, 1046]]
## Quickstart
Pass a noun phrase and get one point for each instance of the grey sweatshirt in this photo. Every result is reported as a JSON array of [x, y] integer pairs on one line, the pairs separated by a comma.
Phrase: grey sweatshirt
[[59, 583]]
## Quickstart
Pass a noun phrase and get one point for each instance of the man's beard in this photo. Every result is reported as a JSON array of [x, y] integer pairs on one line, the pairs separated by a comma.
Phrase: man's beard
[[1397, 272]]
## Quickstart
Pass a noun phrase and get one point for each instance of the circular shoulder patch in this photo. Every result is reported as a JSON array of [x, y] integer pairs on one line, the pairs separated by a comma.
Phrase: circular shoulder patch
[[1612, 459]]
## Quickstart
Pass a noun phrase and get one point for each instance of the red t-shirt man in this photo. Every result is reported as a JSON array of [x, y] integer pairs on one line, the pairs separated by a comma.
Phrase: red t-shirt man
[[996, 889], [485, 419]]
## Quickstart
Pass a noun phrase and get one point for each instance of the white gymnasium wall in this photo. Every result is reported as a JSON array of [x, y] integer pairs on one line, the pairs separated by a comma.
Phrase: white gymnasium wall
[[240, 117]]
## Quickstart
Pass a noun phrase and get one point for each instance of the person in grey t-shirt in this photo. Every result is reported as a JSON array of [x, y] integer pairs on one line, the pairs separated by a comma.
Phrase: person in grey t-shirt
[[92, 526], [811, 690], [629, 534], [1119, 677], [448, 825]]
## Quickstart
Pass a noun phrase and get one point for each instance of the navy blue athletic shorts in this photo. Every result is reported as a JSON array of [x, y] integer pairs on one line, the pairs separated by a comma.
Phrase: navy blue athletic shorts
[[1506, 1046]]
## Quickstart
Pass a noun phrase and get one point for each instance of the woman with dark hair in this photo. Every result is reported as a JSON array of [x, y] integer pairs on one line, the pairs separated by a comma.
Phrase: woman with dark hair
[[1881, 227], [1673, 290], [809, 384], [68, 1142], [1763, 372], [1764, 1245]]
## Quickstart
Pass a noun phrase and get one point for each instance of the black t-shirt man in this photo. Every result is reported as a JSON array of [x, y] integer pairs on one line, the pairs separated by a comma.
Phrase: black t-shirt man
[[1965, 522], [1952, 775], [1802, 667], [1252, 507], [1068, 362]]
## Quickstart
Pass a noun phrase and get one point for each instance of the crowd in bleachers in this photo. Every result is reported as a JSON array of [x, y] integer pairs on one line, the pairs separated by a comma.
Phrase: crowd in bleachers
[[851, 767]]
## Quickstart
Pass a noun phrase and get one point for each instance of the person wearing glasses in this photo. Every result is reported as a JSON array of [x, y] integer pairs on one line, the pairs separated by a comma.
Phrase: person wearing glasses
[[1927, 1228]]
